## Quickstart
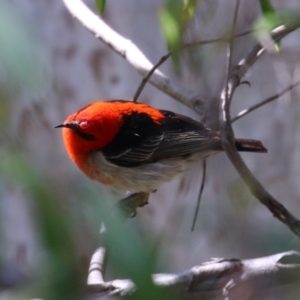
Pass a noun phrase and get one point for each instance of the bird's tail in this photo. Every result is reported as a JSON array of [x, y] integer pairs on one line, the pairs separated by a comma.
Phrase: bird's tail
[[246, 145]]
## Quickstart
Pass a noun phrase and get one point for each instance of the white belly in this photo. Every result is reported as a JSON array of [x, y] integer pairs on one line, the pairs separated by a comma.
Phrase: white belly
[[144, 178]]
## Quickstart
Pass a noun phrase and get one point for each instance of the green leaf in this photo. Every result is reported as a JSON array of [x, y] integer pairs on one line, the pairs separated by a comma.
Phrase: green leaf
[[174, 18], [270, 19], [277, 47], [266, 7], [100, 5], [171, 28], [189, 9]]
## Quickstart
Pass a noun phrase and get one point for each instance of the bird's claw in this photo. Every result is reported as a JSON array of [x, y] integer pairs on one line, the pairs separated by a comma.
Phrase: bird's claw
[[133, 214], [129, 204], [246, 82]]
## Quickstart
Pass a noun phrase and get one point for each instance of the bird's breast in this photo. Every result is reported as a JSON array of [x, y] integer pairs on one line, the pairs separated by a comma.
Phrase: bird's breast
[[143, 178]]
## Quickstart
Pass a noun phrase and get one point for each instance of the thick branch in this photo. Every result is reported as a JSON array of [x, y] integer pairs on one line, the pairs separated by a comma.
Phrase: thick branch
[[219, 279], [132, 54]]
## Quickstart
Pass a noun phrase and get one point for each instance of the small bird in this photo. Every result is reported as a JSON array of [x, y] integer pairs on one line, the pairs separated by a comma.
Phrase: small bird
[[135, 147]]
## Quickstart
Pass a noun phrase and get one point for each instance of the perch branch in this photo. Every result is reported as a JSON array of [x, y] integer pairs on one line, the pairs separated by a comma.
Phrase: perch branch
[[96, 269], [132, 54], [218, 279], [227, 135]]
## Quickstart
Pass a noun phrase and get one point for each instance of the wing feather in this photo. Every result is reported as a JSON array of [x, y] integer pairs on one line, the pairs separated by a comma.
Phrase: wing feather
[[143, 141], [133, 156]]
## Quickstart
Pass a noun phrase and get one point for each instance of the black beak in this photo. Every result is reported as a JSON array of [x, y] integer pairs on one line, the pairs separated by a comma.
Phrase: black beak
[[59, 126], [72, 125]]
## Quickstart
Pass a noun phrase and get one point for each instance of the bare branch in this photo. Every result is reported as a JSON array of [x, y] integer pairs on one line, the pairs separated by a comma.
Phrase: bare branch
[[256, 106], [229, 60], [221, 278], [146, 79], [96, 269], [258, 50], [132, 54], [227, 135], [225, 38]]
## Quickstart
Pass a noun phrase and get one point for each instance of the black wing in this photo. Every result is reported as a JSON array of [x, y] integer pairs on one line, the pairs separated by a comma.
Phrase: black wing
[[143, 141], [183, 136]]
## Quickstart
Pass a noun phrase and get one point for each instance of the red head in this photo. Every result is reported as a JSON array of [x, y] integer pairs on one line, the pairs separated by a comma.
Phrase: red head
[[95, 126]]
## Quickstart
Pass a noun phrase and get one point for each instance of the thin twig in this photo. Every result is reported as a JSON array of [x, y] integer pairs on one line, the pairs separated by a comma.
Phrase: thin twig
[[256, 106], [229, 55], [216, 40], [200, 194], [133, 55], [227, 93], [146, 79]]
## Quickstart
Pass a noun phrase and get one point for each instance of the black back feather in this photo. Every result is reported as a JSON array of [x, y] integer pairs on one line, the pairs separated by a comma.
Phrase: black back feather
[[141, 140]]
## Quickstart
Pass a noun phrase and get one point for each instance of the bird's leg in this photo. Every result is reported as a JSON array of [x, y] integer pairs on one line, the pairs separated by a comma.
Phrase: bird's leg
[[129, 204]]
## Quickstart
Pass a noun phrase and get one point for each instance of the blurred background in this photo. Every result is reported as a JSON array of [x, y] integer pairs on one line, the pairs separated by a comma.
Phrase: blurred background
[[50, 213]]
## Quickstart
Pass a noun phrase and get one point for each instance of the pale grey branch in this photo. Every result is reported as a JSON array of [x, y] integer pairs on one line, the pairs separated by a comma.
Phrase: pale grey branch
[[133, 55], [227, 135], [232, 279]]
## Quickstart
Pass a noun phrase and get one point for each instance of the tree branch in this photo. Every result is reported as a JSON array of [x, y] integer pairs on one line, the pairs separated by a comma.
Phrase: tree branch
[[258, 50], [147, 77], [133, 55], [266, 101], [232, 279], [225, 38], [227, 135]]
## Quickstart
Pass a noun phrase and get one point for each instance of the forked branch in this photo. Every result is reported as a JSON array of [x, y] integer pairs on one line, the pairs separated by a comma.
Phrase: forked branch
[[234, 77]]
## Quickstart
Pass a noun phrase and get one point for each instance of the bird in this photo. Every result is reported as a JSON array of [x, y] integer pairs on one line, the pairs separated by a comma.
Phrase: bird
[[134, 147]]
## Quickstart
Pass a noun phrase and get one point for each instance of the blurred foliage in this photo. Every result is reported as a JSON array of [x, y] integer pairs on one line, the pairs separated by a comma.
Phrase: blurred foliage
[[18, 57], [240, 197], [174, 18], [132, 256], [100, 5], [268, 22], [270, 19], [58, 271], [266, 7], [58, 276]]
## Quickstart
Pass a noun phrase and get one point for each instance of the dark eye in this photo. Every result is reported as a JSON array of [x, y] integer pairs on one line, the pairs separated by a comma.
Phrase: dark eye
[[75, 126], [85, 136]]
